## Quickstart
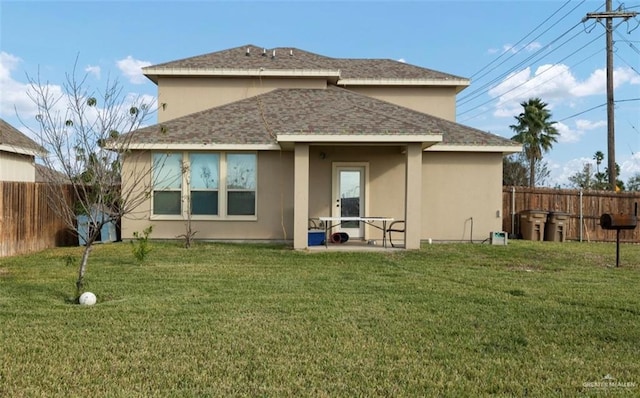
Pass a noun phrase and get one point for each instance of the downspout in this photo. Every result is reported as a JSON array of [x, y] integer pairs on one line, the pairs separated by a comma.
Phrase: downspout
[[581, 215]]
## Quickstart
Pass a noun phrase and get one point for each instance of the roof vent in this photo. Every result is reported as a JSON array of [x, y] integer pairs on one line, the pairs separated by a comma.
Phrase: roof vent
[[291, 53], [264, 52], [273, 55], [248, 50]]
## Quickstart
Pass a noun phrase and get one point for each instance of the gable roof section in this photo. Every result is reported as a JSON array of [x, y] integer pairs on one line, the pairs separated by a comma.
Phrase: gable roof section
[[12, 140], [283, 116], [256, 61]]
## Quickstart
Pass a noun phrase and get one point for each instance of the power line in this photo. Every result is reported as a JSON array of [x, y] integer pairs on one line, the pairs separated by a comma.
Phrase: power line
[[629, 65], [609, 15], [468, 94], [541, 83], [630, 43], [596, 107], [520, 41], [481, 90], [534, 87]]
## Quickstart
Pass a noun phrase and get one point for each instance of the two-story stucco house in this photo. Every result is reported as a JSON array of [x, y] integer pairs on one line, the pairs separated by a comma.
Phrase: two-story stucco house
[[253, 142], [17, 154]]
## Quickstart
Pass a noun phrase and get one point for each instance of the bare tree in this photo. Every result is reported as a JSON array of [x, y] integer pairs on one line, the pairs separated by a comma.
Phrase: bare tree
[[82, 131], [189, 233]]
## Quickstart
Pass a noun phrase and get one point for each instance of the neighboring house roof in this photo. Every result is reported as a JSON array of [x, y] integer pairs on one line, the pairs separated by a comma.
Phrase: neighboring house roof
[[12, 140], [251, 60], [46, 174], [310, 115]]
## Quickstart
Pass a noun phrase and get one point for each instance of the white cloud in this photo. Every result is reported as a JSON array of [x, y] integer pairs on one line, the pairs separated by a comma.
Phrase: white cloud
[[8, 62], [509, 48], [630, 167], [567, 134], [574, 134], [584, 124], [533, 46], [560, 174], [596, 83], [132, 69], [93, 70], [552, 82], [14, 96]]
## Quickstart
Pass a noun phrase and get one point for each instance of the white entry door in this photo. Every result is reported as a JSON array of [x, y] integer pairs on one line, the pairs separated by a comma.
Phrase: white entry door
[[349, 187]]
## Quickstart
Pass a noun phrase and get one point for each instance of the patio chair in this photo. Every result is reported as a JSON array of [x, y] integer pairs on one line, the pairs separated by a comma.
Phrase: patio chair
[[315, 223], [395, 226]]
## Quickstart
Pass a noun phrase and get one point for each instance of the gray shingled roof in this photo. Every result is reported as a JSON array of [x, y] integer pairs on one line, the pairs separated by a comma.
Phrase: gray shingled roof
[[307, 111], [13, 138], [287, 58]]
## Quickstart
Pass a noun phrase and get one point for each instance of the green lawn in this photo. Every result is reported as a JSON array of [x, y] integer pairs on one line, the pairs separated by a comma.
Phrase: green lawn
[[531, 318]]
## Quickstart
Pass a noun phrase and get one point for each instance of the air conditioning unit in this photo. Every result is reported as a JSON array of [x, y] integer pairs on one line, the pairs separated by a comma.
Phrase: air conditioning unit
[[498, 238]]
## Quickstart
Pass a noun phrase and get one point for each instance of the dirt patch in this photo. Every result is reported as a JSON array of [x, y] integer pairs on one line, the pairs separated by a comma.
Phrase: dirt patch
[[4, 272]]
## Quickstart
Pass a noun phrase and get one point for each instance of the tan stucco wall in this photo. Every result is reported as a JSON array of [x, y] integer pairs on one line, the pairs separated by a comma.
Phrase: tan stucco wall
[[179, 96], [455, 187], [386, 178], [386, 183], [458, 187], [16, 167], [436, 101], [274, 209]]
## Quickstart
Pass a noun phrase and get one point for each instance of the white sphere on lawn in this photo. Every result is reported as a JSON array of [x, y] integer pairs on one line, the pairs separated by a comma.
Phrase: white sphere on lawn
[[87, 298]]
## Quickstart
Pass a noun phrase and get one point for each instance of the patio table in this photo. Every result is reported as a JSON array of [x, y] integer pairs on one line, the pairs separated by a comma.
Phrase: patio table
[[331, 222]]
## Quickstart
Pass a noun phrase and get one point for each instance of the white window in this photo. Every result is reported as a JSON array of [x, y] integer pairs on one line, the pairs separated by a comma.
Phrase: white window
[[167, 183], [241, 184], [216, 185], [204, 174]]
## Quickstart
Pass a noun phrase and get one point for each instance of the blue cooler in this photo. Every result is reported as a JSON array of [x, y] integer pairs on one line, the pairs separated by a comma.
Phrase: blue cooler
[[316, 238]]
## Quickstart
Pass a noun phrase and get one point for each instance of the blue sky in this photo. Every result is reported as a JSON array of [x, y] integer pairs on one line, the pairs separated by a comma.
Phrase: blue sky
[[511, 50]]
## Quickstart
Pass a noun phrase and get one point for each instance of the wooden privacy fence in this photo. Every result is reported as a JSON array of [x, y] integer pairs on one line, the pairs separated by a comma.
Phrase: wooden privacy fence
[[27, 221], [583, 207]]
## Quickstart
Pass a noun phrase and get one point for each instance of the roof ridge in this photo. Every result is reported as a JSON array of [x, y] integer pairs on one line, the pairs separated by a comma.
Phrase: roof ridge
[[251, 57]]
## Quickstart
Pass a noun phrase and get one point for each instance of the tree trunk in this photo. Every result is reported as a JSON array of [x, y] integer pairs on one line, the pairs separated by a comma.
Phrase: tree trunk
[[83, 266], [532, 173]]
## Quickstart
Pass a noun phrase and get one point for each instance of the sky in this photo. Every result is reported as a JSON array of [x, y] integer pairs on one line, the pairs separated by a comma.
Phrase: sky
[[511, 51]]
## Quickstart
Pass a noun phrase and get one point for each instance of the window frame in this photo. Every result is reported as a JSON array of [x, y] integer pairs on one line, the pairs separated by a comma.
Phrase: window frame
[[180, 214], [191, 189], [222, 189]]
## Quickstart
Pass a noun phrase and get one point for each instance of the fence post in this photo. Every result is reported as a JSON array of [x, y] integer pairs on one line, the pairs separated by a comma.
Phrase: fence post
[[513, 210], [581, 222]]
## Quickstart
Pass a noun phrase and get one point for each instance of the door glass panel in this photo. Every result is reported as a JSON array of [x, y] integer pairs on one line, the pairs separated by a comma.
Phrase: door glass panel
[[350, 196]]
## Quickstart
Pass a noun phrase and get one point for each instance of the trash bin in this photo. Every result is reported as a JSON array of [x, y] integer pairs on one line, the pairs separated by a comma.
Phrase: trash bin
[[532, 224], [556, 226]]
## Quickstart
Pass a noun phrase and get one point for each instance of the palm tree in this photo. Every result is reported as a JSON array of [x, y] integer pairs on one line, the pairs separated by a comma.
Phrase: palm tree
[[535, 131], [601, 182], [598, 157]]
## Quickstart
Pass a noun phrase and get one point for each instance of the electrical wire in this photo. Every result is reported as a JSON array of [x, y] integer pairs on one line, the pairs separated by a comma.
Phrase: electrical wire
[[626, 63], [520, 41], [537, 85], [497, 97], [466, 95], [540, 53], [596, 107]]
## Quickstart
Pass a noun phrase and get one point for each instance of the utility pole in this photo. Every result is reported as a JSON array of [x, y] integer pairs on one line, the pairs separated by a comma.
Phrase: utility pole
[[608, 15]]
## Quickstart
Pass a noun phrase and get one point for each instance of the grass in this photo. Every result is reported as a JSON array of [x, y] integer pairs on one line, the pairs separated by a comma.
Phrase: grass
[[529, 319]]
